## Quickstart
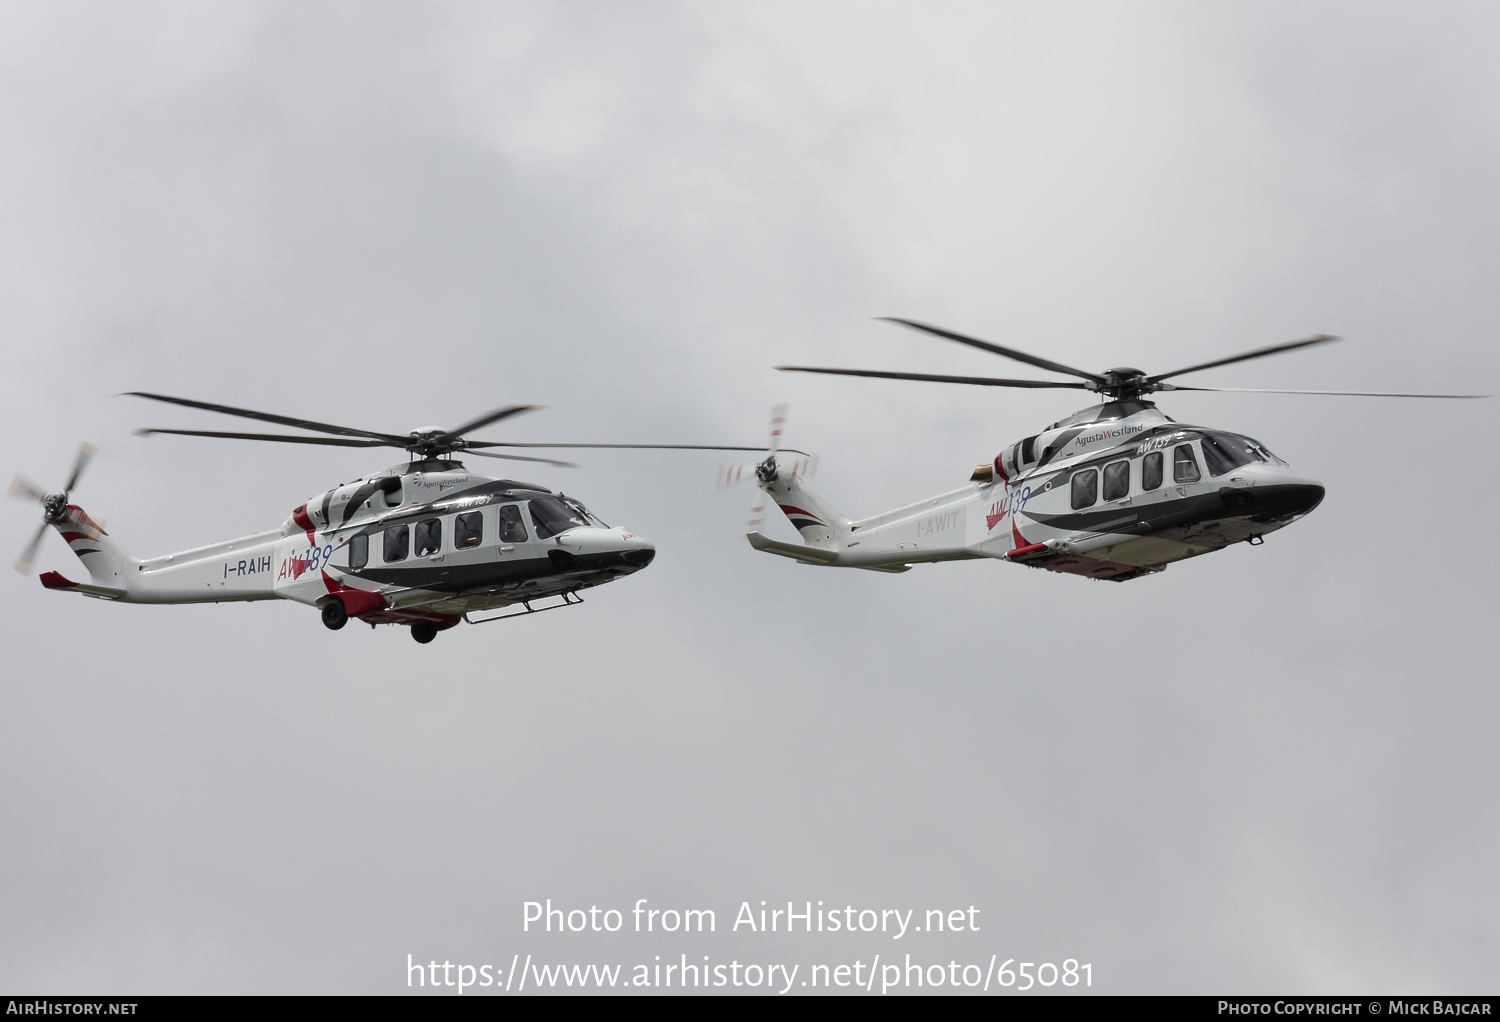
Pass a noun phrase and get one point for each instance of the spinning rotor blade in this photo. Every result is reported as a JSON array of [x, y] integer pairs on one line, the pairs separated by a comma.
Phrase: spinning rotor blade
[[982, 381], [469, 448], [974, 342], [22, 488], [284, 420], [485, 420], [732, 474], [1257, 353], [85, 452], [778, 426], [516, 457], [1331, 393], [757, 511], [23, 563], [277, 437]]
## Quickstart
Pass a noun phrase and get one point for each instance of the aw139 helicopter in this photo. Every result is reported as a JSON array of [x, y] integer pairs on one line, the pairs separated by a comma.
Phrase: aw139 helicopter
[[1115, 491], [423, 544]]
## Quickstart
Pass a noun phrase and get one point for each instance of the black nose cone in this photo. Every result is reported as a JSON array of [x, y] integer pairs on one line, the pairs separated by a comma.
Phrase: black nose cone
[[1284, 501]]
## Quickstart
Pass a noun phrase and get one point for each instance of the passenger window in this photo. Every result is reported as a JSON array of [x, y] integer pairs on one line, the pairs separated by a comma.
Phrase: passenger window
[[1151, 470], [1085, 488], [397, 542], [429, 536], [1116, 480], [359, 551], [468, 530], [1184, 465], [511, 528]]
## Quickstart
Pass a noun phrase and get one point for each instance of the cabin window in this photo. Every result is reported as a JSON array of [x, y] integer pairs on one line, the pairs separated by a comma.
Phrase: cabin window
[[429, 536], [512, 529], [1116, 480], [397, 543], [1226, 453], [1184, 465], [359, 551], [468, 530], [553, 517], [1151, 470], [1085, 488]]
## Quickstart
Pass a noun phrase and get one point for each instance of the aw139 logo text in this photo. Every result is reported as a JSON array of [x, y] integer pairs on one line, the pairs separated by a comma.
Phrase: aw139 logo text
[[311, 560], [1012, 503]]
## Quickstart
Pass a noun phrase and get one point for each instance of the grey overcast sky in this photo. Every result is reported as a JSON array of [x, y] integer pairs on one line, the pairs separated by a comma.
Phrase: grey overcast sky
[[1269, 770]]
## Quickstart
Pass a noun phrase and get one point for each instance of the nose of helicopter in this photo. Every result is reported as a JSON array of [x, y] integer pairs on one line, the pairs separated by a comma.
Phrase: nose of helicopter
[[1276, 495], [604, 548]]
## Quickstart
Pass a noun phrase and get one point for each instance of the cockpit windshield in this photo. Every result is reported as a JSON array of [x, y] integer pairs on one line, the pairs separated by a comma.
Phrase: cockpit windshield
[[1224, 453], [553, 516]]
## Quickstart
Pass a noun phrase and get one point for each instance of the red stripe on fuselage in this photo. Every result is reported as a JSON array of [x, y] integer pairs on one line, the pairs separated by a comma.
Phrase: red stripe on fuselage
[[789, 510], [304, 523]]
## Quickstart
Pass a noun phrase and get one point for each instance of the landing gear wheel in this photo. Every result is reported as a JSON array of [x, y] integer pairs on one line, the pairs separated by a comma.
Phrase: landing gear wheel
[[424, 631], [334, 614]]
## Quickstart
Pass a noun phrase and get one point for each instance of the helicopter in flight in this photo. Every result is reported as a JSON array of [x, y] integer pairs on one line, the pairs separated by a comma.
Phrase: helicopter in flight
[[1114, 491], [423, 544]]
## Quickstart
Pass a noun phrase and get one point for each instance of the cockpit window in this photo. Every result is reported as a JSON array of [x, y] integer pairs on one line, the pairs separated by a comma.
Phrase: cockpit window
[[1184, 465], [1262, 450], [512, 530], [1223, 453], [555, 515]]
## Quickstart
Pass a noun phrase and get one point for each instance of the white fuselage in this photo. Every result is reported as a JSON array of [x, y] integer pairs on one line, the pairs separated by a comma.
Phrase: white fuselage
[[421, 542], [1112, 492]]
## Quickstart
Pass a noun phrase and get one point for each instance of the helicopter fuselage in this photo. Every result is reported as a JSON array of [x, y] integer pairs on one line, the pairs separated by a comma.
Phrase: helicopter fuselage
[[423, 543], [1113, 492]]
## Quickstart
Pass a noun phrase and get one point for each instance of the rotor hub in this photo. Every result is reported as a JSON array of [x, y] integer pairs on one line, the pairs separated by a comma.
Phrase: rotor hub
[[766, 471], [55, 507]]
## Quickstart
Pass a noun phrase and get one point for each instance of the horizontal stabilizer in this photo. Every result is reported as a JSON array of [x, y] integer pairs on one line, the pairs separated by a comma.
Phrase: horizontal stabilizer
[[53, 580], [797, 552]]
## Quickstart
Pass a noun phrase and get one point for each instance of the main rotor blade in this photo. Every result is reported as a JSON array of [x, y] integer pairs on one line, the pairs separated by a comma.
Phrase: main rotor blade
[[277, 437], [1331, 393], [485, 420], [516, 457], [85, 452], [22, 488], [1257, 353], [23, 563], [284, 420], [982, 381], [974, 342], [469, 448]]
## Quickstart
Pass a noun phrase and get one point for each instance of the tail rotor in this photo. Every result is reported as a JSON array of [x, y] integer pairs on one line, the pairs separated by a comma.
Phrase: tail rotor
[[54, 505], [768, 470]]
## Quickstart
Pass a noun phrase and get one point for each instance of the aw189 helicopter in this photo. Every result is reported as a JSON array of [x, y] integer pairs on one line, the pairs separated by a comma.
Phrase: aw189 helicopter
[[422, 544], [1115, 491]]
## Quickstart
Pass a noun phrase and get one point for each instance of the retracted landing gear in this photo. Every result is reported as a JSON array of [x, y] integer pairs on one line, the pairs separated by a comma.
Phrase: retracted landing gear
[[335, 616], [424, 631]]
